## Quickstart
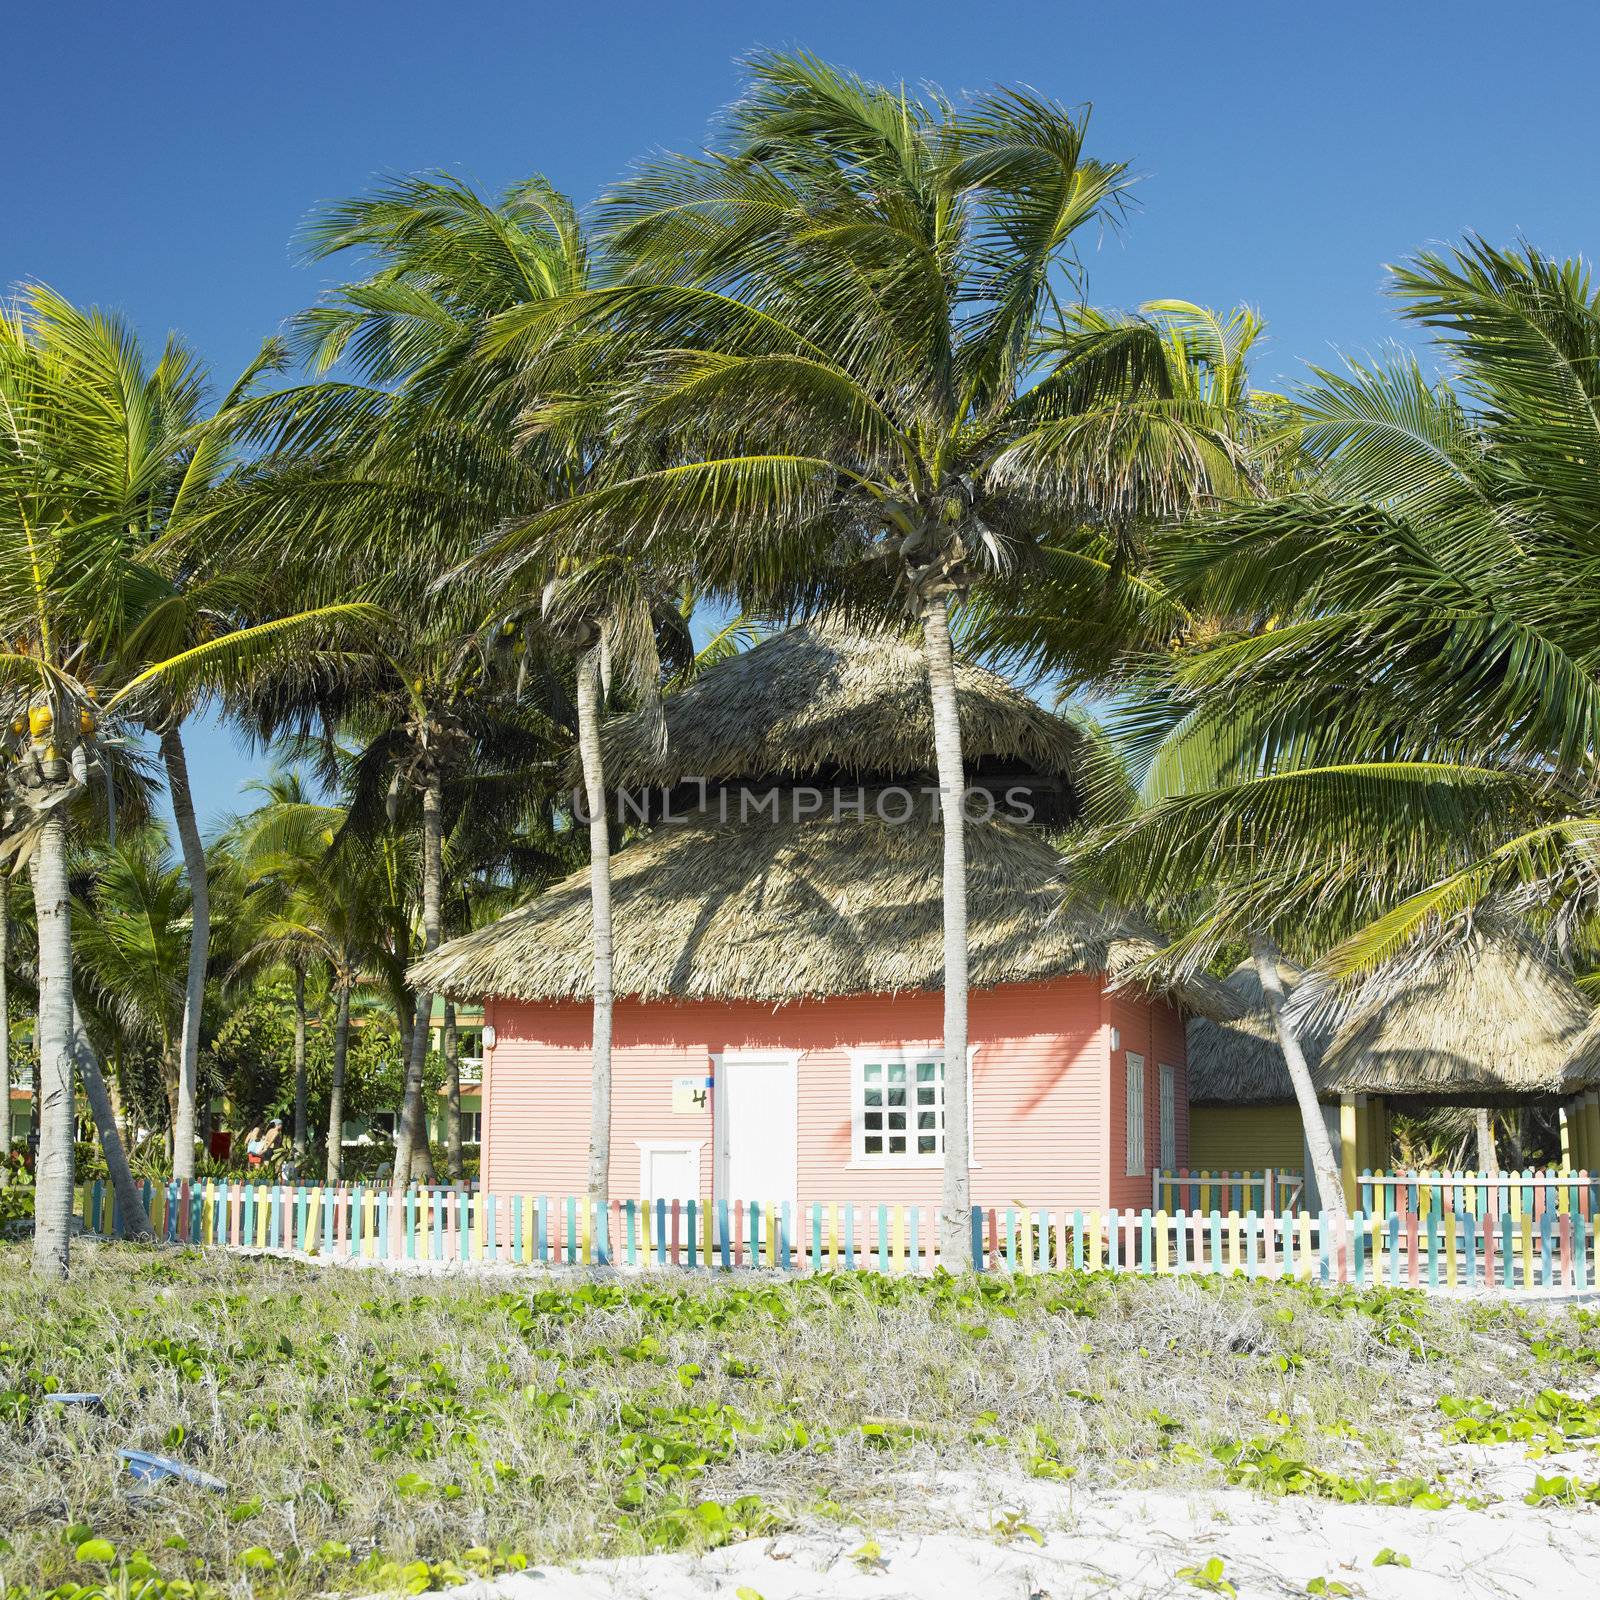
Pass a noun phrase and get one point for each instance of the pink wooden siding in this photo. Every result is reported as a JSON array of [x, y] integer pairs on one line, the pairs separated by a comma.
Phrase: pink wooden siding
[[1047, 1100], [1155, 1031], [1171, 1047]]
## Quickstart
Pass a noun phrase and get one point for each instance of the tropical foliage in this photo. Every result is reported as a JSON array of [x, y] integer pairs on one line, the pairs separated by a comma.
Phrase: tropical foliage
[[843, 359]]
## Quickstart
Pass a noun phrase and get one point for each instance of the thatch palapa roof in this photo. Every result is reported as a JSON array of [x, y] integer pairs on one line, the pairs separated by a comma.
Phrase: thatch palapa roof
[[1485, 1021], [745, 904], [820, 698], [1489, 1020], [1240, 1062], [793, 910]]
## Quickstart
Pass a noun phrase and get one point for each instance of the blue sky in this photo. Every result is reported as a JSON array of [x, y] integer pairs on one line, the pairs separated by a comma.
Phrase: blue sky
[[162, 157]]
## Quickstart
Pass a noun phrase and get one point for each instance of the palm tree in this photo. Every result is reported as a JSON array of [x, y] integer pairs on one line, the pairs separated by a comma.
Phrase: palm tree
[[5, 1019], [130, 942], [435, 730], [1415, 731], [311, 895], [840, 377], [1402, 727], [78, 456], [1095, 610], [449, 264], [186, 602], [276, 858], [130, 916]]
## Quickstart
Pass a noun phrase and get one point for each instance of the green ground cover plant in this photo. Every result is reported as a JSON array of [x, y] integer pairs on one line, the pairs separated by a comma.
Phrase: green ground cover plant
[[386, 1433]]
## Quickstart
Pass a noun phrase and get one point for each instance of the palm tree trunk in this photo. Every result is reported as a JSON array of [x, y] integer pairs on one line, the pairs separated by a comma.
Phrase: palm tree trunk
[[119, 1098], [169, 1088], [452, 1081], [53, 1180], [594, 788], [1330, 1183], [119, 1109], [955, 1211], [299, 1067], [1488, 1157], [341, 1051], [194, 866], [135, 1219], [5, 1020], [38, 1097], [413, 1130], [408, 1133]]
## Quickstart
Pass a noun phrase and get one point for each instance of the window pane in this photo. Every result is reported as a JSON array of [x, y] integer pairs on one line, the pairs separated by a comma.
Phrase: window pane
[[901, 1108]]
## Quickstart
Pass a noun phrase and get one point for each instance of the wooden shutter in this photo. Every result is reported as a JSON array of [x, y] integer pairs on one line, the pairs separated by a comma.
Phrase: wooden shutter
[[1169, 1116], [1135, 1114]]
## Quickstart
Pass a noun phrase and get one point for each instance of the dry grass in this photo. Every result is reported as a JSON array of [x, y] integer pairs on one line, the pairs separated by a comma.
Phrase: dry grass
[[413, 1420]]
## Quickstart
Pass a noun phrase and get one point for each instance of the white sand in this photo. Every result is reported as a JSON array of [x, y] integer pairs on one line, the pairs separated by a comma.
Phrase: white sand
[[1123, 1545]]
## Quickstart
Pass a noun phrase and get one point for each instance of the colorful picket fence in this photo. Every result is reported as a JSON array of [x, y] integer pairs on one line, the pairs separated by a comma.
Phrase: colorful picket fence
[[1443, 1249], [1263, 1190], [1481, 1194]]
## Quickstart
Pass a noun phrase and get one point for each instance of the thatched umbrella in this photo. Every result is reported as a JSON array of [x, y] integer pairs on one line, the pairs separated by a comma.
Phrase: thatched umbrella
[[793, 910], [1487, 1022], [820, 698]]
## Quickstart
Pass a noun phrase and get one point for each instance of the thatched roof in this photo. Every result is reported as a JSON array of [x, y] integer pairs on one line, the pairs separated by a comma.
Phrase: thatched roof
[[1489, 1020], [1239, 1062], [793, 910], [1483, 1021], [819, 698]]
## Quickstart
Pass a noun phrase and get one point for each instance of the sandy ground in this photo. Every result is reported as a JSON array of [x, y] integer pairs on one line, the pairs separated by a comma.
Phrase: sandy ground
[[1123, 1545]]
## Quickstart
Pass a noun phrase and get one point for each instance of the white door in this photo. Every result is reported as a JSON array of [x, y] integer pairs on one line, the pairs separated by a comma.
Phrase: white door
[[670, 1171], [756, 1111]]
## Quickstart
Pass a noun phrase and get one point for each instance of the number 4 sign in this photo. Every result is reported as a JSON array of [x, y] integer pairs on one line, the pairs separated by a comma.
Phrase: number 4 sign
[[690, 1095]]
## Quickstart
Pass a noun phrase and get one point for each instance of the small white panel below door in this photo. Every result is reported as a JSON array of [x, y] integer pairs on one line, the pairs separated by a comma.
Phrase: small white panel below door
[[669, 1171], [757, 1112]]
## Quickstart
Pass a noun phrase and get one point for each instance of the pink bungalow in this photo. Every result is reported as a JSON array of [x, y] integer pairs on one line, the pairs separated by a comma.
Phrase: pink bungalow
[[777, 927]]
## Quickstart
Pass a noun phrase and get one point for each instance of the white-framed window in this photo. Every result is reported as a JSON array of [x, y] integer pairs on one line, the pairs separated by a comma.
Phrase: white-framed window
[[1169, 1116], [1135, 1114], [897, 1105], [382, 1123], [469, 1049], [901, 1108], [472, 1127]]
